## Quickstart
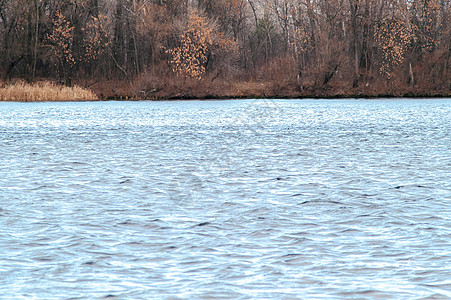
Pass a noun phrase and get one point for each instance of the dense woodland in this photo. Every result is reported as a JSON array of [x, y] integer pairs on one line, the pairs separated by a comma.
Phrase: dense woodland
[[220, 48]]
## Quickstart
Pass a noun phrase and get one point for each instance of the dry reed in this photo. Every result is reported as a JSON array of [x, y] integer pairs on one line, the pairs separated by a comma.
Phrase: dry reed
[[44, 91]]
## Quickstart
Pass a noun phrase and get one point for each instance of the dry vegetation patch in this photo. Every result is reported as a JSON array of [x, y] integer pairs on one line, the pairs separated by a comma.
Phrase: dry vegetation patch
[[44, 91]]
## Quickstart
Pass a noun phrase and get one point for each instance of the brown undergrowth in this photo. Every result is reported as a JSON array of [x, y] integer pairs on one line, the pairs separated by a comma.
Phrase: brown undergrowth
[[179, 89], [275, 79], [281, 79]]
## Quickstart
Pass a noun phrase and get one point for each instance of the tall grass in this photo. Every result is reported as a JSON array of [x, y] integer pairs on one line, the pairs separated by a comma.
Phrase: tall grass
[[44, 91]]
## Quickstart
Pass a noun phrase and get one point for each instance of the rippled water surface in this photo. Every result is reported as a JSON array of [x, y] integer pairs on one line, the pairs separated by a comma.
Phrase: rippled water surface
[[226, 199]]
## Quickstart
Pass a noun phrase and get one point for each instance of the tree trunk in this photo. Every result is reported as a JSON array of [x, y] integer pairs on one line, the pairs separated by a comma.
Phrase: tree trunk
[[354, 8], [312, 20], [254, 12], [412, 78], [36, 39]]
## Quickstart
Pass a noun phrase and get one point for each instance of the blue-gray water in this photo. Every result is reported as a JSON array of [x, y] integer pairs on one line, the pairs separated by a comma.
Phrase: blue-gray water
[[226, 199]]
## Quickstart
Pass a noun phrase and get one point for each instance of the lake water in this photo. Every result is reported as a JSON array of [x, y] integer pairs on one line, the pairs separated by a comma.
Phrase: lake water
[[288, 199]]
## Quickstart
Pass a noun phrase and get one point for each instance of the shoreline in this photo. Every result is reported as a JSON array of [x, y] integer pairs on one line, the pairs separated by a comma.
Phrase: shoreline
[[251, 97], [282, 97], [338, 97], [176, 89], [48, 91]]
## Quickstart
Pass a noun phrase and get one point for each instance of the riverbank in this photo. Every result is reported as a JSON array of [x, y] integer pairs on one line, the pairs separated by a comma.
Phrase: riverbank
[[44, 91], [175, 89]]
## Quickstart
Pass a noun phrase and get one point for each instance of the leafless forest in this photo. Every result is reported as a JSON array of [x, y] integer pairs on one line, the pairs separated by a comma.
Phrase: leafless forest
[[221, 48]]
